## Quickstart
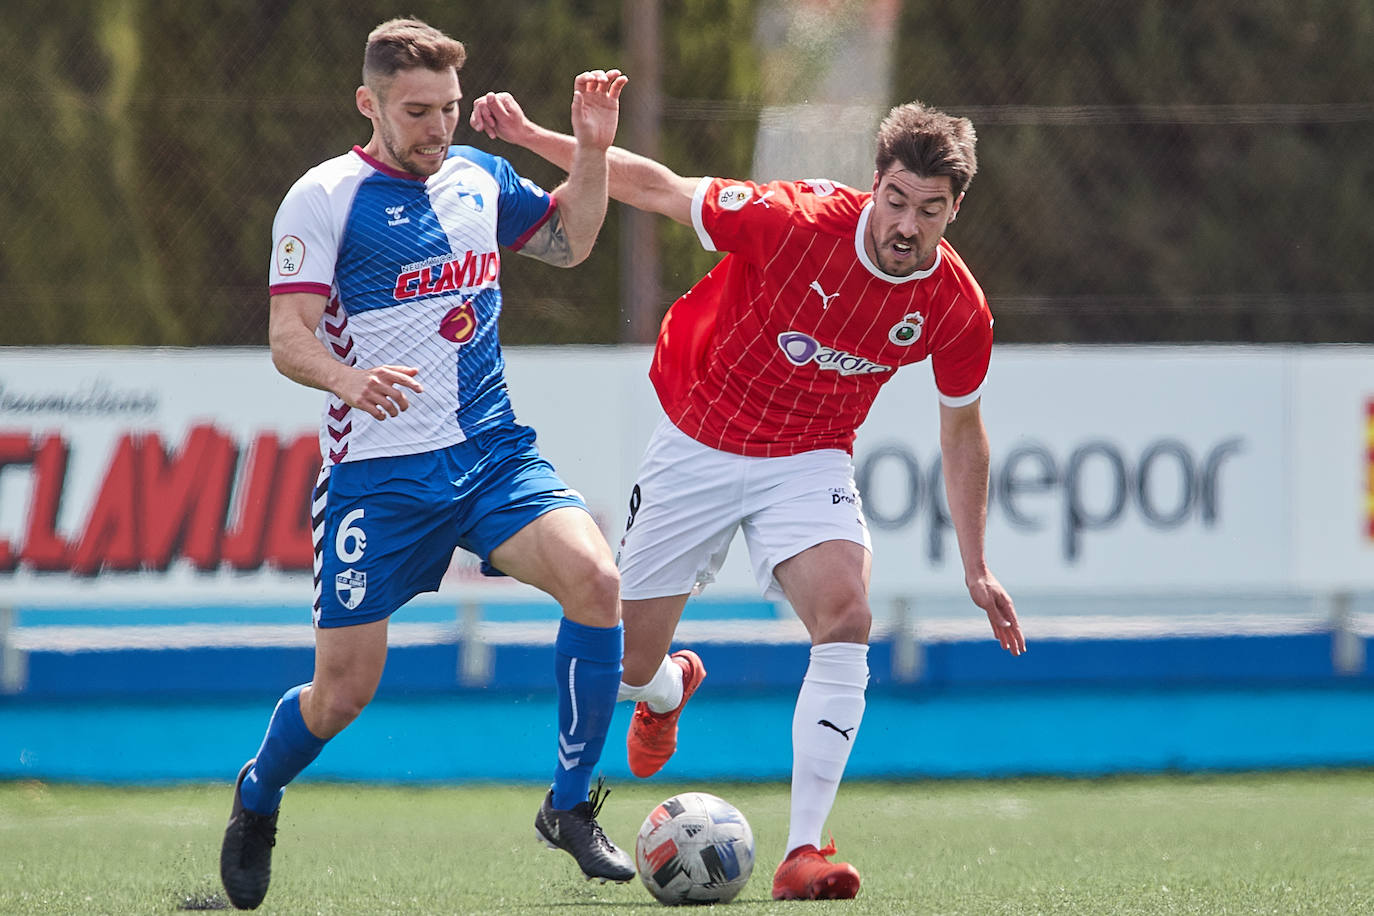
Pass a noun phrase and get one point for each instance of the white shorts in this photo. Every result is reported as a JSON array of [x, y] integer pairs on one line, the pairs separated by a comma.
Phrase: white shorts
[[690, 500]]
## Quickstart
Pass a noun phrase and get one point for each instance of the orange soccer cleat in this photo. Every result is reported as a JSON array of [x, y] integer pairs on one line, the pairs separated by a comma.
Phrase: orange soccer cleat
[[652, 737], [807, 875]]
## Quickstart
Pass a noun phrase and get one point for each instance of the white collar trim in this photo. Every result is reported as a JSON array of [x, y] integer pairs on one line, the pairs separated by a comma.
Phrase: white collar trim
[[864, 259]]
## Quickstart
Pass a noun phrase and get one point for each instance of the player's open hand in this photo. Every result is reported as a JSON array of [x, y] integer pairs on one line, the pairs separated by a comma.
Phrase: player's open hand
[[989, 595], [499, 116], [381, 391], [596, 106]]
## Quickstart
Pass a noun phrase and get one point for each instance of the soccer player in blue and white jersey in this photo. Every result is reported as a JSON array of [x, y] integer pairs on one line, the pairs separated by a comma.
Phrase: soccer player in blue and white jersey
[[385, 294]]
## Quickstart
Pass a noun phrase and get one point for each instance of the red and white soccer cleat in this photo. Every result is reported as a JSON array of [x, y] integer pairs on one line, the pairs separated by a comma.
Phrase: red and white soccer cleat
[[807, 874], [652, 737]]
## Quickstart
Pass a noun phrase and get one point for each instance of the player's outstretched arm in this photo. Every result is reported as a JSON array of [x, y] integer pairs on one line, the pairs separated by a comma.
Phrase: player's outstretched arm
[[964, 456], [633, 179], [300, 356]]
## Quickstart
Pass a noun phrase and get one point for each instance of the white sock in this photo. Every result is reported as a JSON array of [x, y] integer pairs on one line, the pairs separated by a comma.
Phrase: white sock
[[824, 726], [663, 693]]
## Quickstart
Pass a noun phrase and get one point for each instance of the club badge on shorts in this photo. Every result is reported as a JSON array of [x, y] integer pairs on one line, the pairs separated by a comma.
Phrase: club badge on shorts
[[350, 586]]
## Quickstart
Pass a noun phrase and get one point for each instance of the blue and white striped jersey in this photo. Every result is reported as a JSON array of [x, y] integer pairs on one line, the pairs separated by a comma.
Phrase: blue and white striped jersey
[[411, 270]]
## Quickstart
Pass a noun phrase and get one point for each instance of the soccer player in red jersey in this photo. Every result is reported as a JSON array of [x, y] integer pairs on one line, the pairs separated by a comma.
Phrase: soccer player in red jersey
[[765, 368]]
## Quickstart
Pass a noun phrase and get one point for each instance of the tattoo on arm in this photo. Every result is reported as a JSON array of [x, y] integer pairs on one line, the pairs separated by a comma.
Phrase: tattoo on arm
[[550, 243]]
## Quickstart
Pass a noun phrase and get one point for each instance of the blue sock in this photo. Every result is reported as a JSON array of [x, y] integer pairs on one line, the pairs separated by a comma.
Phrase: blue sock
[[287, 748], [587, 665]]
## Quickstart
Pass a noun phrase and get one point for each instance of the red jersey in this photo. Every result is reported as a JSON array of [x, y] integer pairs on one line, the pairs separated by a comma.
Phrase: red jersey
[[783, 346]]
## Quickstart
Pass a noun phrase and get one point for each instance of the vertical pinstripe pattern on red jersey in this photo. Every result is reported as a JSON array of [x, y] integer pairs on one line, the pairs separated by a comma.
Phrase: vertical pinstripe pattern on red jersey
[[702, 434], [771, 393], [838, 245]]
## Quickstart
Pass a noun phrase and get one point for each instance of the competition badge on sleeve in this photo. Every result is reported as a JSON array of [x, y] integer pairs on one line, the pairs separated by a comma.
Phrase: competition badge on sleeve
[[290, 255], [734, 196]]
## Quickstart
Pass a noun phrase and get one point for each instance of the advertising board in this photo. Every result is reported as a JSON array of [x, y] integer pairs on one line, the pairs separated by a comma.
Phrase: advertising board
[[169, 475]]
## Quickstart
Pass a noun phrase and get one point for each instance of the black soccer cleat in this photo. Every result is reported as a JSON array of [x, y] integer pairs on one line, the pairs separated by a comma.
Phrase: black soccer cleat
[[577, 833], [245, 859]]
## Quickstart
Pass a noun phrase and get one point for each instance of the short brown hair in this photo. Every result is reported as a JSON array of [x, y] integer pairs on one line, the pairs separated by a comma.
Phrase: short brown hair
[[929, 143], [409, 44]]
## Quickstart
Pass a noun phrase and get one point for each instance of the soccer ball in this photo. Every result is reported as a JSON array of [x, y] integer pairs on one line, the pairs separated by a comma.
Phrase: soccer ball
[[694, 848]]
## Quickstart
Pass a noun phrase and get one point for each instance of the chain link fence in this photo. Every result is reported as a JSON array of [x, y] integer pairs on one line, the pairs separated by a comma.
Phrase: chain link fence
[[1166, 171]]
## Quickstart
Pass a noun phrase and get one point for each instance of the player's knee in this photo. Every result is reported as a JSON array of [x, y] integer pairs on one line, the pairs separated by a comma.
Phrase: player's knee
[[604, 594], [846, 620], [335, 709], [593, 595]]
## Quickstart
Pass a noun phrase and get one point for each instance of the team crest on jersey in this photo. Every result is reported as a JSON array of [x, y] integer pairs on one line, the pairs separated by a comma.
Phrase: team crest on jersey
[[734, 197], [907, 331], [470, 198], [821, 187], [801, 349], [350, 586], [460, 324], [290, 255]]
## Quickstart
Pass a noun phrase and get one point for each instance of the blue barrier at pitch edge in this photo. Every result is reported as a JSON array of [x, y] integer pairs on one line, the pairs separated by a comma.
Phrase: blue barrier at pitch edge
[[732, 666], [509, 737]]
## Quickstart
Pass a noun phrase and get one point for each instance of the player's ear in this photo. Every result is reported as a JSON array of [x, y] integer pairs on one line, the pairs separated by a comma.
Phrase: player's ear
[[876, 177], [954, 211], [366, 101]]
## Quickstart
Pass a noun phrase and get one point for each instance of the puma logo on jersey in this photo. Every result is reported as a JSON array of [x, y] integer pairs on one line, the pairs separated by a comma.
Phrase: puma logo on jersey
[[763, 199], [843, 731], [825, 300]]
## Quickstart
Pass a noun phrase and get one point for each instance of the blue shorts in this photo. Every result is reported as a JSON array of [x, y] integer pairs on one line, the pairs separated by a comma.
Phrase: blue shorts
[[391, 524]]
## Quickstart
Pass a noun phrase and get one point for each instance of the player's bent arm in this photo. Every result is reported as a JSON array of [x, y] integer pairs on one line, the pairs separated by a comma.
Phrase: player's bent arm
[[296, 352], [300, 356], [568, 239], [571, 230], [550, 242]]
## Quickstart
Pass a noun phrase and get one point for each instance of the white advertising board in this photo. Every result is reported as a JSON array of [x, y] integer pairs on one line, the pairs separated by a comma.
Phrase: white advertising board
[[159, 476], [1332, 429], [1116, 470]]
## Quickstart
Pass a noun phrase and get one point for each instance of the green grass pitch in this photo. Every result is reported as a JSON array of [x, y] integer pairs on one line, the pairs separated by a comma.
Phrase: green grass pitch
[[1288, 843]]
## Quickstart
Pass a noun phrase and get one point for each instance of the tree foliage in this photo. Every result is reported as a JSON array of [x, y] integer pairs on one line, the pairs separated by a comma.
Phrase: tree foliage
[[1161, 170], [152, 141]]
